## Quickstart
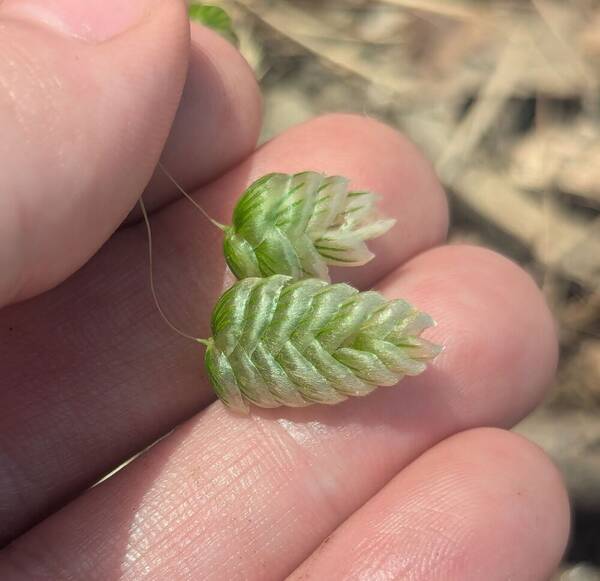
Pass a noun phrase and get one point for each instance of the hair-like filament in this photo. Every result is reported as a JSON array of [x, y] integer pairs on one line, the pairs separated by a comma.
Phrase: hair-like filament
[[189, 198], [152, 284]]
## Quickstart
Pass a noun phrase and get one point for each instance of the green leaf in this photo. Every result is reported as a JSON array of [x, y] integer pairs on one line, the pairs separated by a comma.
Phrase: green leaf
[[214, 17]]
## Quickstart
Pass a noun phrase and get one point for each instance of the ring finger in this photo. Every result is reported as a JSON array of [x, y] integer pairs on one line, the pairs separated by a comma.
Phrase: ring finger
[[225, 495], [482, 504]]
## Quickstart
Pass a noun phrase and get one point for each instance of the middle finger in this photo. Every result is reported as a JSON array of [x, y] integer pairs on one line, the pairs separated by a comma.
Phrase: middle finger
[[93, 375], [227, 497]]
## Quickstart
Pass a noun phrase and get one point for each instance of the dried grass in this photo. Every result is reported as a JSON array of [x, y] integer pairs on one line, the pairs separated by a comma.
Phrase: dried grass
[[503, 96]]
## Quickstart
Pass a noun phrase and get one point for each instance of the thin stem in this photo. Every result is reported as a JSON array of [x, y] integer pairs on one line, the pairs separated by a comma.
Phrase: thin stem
[[152, 285], [198, 206]]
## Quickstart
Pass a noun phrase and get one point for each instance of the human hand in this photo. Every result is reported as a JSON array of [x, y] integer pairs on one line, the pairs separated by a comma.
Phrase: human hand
[[407, 479]]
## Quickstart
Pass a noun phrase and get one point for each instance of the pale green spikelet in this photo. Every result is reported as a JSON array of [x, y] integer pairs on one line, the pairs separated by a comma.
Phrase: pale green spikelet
[[279, 342], [299, 224]]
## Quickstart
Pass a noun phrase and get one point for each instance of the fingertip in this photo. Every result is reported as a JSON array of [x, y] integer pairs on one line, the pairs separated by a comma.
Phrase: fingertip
[[484, 503], [529, 485], [509, 502], [386, 162], [235, 107], [517, 301], [218, 121], [500, 345]]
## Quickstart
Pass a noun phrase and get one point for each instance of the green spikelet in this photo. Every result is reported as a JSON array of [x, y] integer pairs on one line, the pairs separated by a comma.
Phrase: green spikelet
[[279, 342], [299, 224], [214, 17]]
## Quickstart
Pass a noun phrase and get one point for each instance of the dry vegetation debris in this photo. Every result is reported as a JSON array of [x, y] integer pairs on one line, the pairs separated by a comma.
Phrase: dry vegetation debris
[[504, 97]]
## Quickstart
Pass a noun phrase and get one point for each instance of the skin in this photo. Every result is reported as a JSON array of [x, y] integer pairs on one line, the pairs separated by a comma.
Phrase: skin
[[420, 481]]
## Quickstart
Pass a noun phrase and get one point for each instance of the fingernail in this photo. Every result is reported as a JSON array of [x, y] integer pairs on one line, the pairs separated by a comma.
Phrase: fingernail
[[94, 21]]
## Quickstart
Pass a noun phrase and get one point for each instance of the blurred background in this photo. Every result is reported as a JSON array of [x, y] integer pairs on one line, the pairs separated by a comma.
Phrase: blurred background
[[504, 98]]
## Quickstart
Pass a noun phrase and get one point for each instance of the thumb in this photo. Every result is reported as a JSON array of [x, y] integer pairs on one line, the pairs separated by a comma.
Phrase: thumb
[[88, 92]]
